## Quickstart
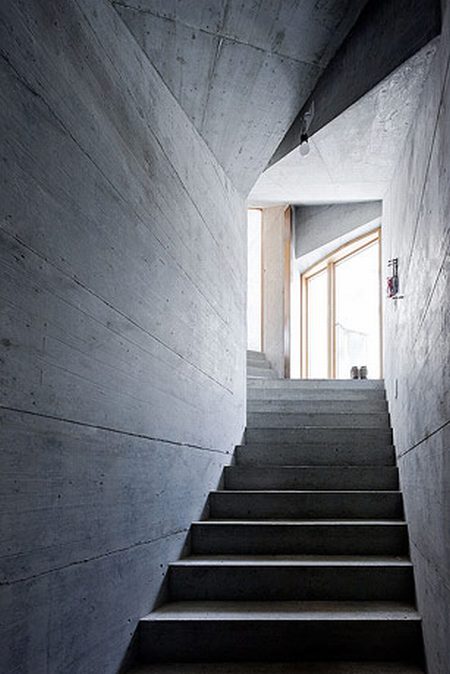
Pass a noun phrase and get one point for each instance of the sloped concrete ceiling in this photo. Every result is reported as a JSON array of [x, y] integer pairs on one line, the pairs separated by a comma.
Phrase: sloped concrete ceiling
[[385, 35], [352, 158], [241, 69]]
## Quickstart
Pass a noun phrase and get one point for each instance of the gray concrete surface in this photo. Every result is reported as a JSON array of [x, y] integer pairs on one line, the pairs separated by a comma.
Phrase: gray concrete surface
[[315, 454], [229, 504], [240, 70], [288, 581], [245, 630], [283, 419], [323, 386], [307, 537], [317, 566], [352, 158], [317, 226], [417, 352], [280, 668], [350, 436], [118, 409], [355, 407], [311, 477], [385, 35]]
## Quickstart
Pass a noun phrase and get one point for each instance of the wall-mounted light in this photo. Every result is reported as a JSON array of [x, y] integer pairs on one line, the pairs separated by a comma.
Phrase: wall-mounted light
[[304, 138]]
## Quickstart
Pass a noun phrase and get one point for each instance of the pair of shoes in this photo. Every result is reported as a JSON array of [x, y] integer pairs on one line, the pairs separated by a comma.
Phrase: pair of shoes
[[358, 372]]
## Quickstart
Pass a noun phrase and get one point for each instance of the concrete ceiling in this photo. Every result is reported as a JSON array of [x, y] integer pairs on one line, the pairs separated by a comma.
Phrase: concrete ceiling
[[352, 158], [241, 69]]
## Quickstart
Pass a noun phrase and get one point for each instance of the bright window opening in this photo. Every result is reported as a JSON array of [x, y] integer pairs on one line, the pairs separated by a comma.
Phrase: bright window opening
[[357, 317], [341, 312], [317, 326]]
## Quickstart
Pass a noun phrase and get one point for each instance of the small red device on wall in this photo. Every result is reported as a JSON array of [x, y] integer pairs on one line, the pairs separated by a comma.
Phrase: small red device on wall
[[393, 284]]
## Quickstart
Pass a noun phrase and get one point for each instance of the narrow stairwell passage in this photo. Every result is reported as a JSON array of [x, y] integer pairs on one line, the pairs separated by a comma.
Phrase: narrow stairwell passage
[[304, 557]]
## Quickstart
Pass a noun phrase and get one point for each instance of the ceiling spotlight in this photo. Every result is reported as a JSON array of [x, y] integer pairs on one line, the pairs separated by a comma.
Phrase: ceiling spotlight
[[304, 138]]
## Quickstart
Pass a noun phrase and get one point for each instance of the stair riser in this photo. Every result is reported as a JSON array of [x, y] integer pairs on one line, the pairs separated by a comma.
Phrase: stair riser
[[280, 583], [259, 370], [269, 640], [303, 506], [258, 362], [334, 478], [322, 420], [264, 390], [324, 385], [313, 455], [318, 407], [287, 539], [367, 438], [255, 354]]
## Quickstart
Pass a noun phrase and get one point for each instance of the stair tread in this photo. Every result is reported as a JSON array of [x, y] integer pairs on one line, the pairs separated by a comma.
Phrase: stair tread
[[279, 668], [333, 427], [319, 413], [306, 491], [284, 610], [322, 467], [293, 560], [302, 522]]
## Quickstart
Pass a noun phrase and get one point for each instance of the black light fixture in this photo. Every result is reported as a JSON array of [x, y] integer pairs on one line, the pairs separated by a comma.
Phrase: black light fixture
[[304, 138], [304, 145]]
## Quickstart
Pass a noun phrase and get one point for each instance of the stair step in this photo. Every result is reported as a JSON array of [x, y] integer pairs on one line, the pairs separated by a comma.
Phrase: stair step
[[300, 406], [263, 390], [296, 420], [279, 668], [324, 385], [287, 580], [306, 504], [314, 454], [326, 478], [192, 631], [257, 362], [306, 560], [255, 354], [293, 537], [260, 371], [306, 549], [369, 437]]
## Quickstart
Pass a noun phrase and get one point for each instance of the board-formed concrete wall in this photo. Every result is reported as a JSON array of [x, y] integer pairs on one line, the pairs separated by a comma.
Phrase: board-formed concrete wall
[[316, 226], [122, 346], [416, 229], [273, 286]]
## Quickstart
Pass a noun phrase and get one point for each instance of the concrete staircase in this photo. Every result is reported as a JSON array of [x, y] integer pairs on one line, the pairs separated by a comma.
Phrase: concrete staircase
[[304, 557], [258, 367]]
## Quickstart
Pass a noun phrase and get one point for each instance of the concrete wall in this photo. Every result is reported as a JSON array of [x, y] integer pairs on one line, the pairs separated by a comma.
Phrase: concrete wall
[[122, 347], [416, 229], [316, 226], [385, 35], [241, 70], [273, 286]]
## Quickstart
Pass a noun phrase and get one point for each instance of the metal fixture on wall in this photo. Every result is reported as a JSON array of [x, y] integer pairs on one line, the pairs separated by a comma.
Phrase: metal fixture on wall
[[393, 283]]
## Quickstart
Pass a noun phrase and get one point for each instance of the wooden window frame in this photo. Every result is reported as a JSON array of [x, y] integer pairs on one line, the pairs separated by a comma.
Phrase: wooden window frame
[[328, 264], [287, 248]]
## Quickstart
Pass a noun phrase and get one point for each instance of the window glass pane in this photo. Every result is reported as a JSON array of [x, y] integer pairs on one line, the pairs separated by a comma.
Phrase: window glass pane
[[357, 318], [254, 280], [317, 326]]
